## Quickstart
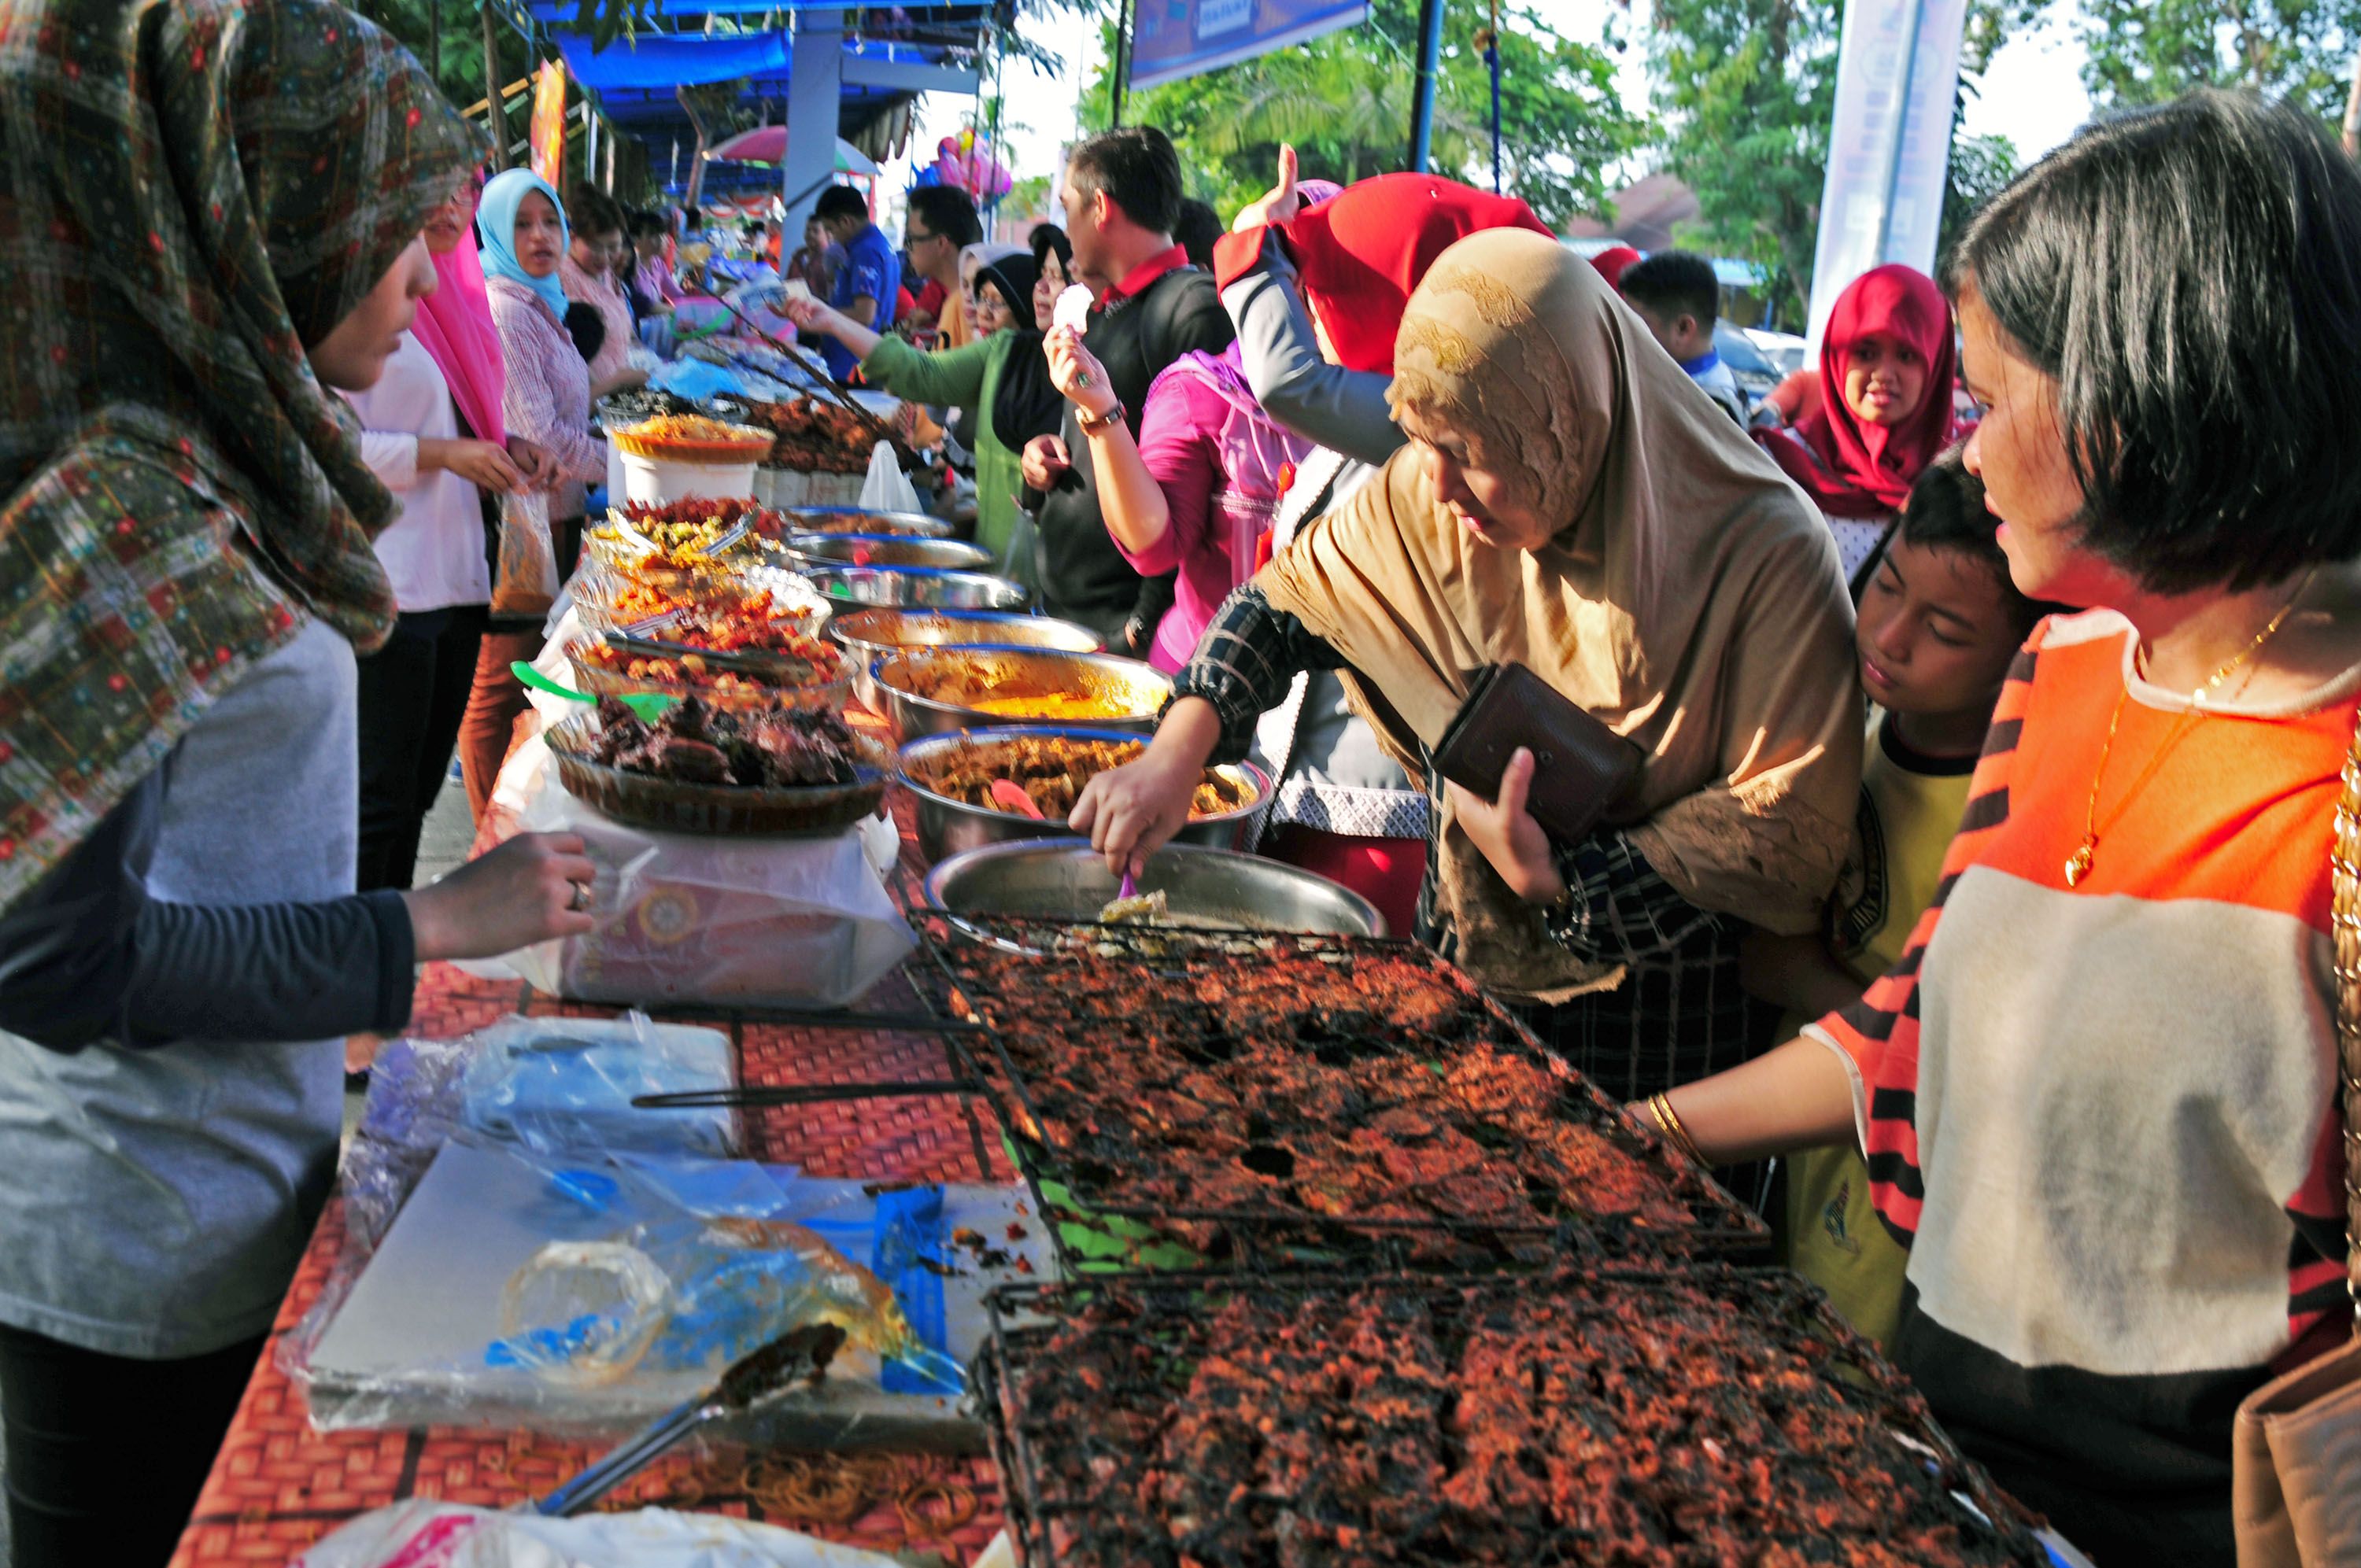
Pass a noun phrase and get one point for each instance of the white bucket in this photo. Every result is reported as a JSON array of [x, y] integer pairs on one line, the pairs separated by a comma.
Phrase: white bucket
[[659, 481]]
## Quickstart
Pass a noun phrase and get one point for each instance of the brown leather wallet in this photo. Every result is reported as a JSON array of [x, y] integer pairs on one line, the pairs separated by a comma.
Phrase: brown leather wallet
[[1580, 766]]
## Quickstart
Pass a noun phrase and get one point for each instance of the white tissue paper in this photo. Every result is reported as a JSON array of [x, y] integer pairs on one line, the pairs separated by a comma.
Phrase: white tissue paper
[[1073, 309]]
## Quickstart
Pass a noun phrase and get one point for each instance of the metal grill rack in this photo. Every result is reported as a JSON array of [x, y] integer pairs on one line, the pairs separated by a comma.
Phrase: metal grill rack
[[1235, 1099], [1582, 1418]]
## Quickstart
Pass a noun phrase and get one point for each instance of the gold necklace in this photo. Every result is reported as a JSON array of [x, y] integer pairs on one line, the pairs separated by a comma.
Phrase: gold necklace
[[2077, 864]]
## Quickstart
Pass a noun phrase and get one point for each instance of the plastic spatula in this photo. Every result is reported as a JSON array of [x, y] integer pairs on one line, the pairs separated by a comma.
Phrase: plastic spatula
[[1011, 796], [649, 706]]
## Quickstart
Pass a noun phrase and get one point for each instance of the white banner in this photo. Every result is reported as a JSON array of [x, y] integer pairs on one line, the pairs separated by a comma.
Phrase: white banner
[[1889, 143]]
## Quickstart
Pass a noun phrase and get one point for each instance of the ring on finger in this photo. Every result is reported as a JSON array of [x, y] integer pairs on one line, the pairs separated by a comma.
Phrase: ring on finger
[[1083, 379], [581, 899]]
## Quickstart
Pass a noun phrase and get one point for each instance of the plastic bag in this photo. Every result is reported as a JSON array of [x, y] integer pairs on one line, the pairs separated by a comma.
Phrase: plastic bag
[[425, 1533], [560, 1084], [888, 488], [689, 1295], [525, 581], [686, 918]]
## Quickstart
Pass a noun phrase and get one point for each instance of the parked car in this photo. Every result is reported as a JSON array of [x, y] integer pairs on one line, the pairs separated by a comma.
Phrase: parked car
[[1755, 372]]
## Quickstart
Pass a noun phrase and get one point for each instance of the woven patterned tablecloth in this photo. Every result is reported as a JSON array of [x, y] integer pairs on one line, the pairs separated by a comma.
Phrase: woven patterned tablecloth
[[278, 1486]]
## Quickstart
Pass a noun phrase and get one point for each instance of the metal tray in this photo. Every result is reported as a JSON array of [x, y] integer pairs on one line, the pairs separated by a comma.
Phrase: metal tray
[[669, 805], [1035, 671], [1154, 964], [856, 520], [926, 586], [1064, 880], [887, 550], [831, 693], [1151, 1336], [880, 631], [948, 826]]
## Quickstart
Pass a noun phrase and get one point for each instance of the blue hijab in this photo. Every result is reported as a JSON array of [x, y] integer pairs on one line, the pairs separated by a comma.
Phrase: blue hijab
[[496, 217]]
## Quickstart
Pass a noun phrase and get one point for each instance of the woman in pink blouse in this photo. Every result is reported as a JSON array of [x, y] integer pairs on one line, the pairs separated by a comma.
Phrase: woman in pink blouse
[[590, 272], [547, 402], [1200, 489]]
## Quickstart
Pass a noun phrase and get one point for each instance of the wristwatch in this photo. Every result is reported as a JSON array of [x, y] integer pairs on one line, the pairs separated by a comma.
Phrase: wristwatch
[[1093, 423]]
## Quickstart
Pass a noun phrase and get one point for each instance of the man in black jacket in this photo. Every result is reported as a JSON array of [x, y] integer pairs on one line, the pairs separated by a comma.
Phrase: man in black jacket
[[1122, 193]]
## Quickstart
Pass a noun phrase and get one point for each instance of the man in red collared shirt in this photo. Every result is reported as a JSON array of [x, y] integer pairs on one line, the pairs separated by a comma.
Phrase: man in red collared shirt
[[1122, 192]]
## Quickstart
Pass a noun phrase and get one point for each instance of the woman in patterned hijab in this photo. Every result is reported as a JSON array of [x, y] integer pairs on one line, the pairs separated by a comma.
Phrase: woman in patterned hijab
[[198, 191], [212, 215]]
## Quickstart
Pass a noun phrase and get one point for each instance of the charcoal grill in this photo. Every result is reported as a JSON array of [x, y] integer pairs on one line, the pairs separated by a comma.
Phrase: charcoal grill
[[1115, 1055], [1578, 1418]]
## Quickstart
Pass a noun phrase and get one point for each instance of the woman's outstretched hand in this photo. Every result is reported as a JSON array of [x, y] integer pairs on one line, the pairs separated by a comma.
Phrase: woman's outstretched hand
[[1507, 835], [811, 315]]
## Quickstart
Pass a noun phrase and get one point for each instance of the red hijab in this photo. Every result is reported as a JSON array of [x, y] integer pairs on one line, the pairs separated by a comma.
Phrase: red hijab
[[454, 324], [1611, 262], [1359, 255], [1865, 470]]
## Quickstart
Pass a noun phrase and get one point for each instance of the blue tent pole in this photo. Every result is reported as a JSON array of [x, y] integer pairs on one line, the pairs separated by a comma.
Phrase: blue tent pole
[[1492, 59], [1430, 53]]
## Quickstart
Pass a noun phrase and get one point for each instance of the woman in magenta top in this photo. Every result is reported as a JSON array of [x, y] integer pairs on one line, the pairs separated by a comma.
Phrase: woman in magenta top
[[1200, 489]]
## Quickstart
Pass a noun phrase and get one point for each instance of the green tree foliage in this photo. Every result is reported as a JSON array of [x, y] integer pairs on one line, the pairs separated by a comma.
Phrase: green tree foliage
[[1979, 166], [1345, 102], [1746, 89], [2145, 51]]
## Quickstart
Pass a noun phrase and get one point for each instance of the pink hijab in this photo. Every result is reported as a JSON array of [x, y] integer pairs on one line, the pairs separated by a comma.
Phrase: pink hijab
[[455, 322]]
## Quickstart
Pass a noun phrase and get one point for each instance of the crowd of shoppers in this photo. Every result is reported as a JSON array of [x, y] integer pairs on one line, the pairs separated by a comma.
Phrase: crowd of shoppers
[[1987, 696]]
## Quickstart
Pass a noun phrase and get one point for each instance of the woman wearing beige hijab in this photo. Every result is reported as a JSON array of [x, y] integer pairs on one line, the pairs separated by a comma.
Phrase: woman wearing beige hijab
[[1568, 501]]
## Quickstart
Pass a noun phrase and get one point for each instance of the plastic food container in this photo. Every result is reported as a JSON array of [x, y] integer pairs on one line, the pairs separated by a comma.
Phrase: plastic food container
[[660, 480]]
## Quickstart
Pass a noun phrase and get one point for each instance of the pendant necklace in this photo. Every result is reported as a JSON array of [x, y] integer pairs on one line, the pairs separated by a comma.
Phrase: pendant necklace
[[2077, 864]]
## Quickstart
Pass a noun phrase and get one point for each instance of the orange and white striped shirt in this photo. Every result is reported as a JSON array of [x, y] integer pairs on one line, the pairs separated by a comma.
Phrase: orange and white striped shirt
[[2104, 1118]]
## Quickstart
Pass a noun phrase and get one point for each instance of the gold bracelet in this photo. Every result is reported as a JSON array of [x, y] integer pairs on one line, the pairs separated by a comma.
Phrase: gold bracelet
[[1668, 1121]]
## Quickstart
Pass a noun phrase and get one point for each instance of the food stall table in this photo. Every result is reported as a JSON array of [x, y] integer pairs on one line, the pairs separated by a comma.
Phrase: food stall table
[[277, 1485]]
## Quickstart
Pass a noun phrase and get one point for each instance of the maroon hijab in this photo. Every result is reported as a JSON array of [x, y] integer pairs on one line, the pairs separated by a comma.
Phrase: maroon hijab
[[1856, 469]]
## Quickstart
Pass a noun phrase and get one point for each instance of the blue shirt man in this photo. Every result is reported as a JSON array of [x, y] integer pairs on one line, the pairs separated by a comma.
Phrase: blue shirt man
[[869, 282]]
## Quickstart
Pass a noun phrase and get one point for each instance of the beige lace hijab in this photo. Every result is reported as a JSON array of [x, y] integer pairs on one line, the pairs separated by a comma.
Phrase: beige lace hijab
[[1693, 600]]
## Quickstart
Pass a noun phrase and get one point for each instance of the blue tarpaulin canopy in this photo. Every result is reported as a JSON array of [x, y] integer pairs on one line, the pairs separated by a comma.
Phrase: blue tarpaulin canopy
[[658, 60]]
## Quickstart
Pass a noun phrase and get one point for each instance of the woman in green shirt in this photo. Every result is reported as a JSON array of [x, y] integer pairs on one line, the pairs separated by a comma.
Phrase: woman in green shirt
[[1003, 375]]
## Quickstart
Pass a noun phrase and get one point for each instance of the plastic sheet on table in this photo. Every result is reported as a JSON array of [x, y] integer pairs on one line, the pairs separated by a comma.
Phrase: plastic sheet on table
[[585, 1294], [452, 1535]]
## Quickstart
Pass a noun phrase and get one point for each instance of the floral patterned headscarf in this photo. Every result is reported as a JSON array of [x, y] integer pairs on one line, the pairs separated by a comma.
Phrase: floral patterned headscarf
[[195, 190]]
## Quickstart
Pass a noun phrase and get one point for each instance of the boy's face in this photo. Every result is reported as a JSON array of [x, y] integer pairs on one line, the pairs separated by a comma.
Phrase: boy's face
[[1933, 634], [1680, 335]]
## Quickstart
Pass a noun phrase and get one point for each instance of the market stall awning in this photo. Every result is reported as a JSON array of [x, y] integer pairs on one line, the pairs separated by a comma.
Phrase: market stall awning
[[657, 60]]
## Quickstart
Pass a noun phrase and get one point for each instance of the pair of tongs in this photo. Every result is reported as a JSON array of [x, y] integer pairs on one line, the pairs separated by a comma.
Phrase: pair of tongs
[[749, 661], [797, 1358], [766, 1097]]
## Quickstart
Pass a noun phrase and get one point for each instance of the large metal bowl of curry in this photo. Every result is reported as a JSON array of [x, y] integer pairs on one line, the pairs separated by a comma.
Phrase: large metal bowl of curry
[[933, 691]]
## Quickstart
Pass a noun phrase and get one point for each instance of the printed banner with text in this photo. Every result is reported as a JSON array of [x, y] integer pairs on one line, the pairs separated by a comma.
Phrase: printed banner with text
[[1173, 38]]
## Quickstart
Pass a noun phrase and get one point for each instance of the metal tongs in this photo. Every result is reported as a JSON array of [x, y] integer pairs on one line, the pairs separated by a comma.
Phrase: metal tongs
[[797, 1358], [751, 661]]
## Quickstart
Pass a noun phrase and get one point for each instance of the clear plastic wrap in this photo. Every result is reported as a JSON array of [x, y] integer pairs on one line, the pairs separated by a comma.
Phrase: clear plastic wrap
[[588, 1295], [451, 1535], [560, 1084], [688, 918], [554, 1085]]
